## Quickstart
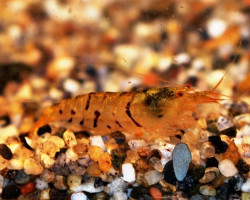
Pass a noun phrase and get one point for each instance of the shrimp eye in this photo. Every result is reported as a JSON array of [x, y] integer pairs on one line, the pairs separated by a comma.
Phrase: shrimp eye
[[179, 94], [187, 86]]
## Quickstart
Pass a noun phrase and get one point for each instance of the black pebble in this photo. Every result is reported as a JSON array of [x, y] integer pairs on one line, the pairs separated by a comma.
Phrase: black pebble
[[212, 162], [186, 184], [91, 71], [242, 166], [55, 194], [11, 192], [169, 174], [138, 192], [44, 129], [5, 119], [197, 172], [5, 152], [119, 137], [219, 145], [223, 192], [98, 182], [231, 131]]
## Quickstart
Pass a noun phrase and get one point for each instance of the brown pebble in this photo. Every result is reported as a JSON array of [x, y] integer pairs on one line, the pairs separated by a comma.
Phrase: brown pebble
[[232, 153], [143, 152], [155, 193]]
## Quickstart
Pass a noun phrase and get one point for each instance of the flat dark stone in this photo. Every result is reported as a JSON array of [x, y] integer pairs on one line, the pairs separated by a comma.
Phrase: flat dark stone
[[5, 152]]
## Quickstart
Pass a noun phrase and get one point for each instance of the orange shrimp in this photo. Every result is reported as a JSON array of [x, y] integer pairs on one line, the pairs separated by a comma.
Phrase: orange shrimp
[[150, 113]]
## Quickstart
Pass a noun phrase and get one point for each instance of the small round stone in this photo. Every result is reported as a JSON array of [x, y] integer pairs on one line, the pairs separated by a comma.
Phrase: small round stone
[[117, 158], [207, 190], [236, 182], [181, 160], [246, 186], [105, 162], [219, 145], [28, 188], [79, 196], [207, 150], [223, 192], [210, 174], [169, 174], [155, 193], [11, 192], [22, 178], [5, 152], [227, 168], [242, 166], [128, 172]]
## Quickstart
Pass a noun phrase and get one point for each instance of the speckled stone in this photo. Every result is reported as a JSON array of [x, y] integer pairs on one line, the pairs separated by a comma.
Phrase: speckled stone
[[181, 159], [22, 178]]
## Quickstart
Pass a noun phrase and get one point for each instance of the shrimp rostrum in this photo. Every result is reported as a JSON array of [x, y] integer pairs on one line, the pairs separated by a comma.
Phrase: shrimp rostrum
[[149, 113]]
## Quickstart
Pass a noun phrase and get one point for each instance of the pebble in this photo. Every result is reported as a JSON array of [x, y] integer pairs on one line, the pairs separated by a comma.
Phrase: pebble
[[117, 185], [74, 181], [41, 184], [5, 152], [27, 188], [242, 166], [88, 187], [212, 162], [97, 141], [246, 186], [45, 194], [31, 166], [128, 172], [79, 196], [232, 153], [119, 196], [11, 192], [95, 152], [207, 150], [236, 182], [135, 144], [47, 175], [117, 158], [166, 150], [197, 172], [69, 138], [227, 168], [44, 129], [84, 160], [186, 184], [197, 197], [60, 182], [119, 137], [245, 196], [1, 183], [153, 177], [181, 160], [156, 163], [210, 174], [4, 163], [219, 145], [223, 192], [138, 192], [207, 190], [22, 178], [169, 174], [56, 194], [155, 193], [105, 162]]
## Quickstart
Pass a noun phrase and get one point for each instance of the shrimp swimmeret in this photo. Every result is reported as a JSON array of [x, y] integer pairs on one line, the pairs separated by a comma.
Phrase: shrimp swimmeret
[[149, 113]]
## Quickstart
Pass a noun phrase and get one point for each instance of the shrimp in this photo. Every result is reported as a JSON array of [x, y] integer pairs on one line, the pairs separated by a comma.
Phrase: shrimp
[[151, 113]]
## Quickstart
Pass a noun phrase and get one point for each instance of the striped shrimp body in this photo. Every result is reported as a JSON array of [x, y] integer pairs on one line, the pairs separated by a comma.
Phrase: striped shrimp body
[[150, 113]]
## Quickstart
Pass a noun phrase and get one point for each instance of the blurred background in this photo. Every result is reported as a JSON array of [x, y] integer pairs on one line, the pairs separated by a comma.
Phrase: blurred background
[[55, 49]]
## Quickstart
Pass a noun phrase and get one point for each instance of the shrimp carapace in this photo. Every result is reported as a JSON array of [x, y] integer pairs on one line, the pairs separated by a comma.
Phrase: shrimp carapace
[[158, 111]]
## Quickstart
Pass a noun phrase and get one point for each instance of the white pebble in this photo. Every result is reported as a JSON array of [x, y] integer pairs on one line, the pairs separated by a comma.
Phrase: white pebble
[[117, 185], [41, 184], [128, 172], [79, 196], [246, 186], [227, 168], [153, 177], [120, 196], [135, 144], [69, 138], [166, 150], [97, 141], [88, 187]]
